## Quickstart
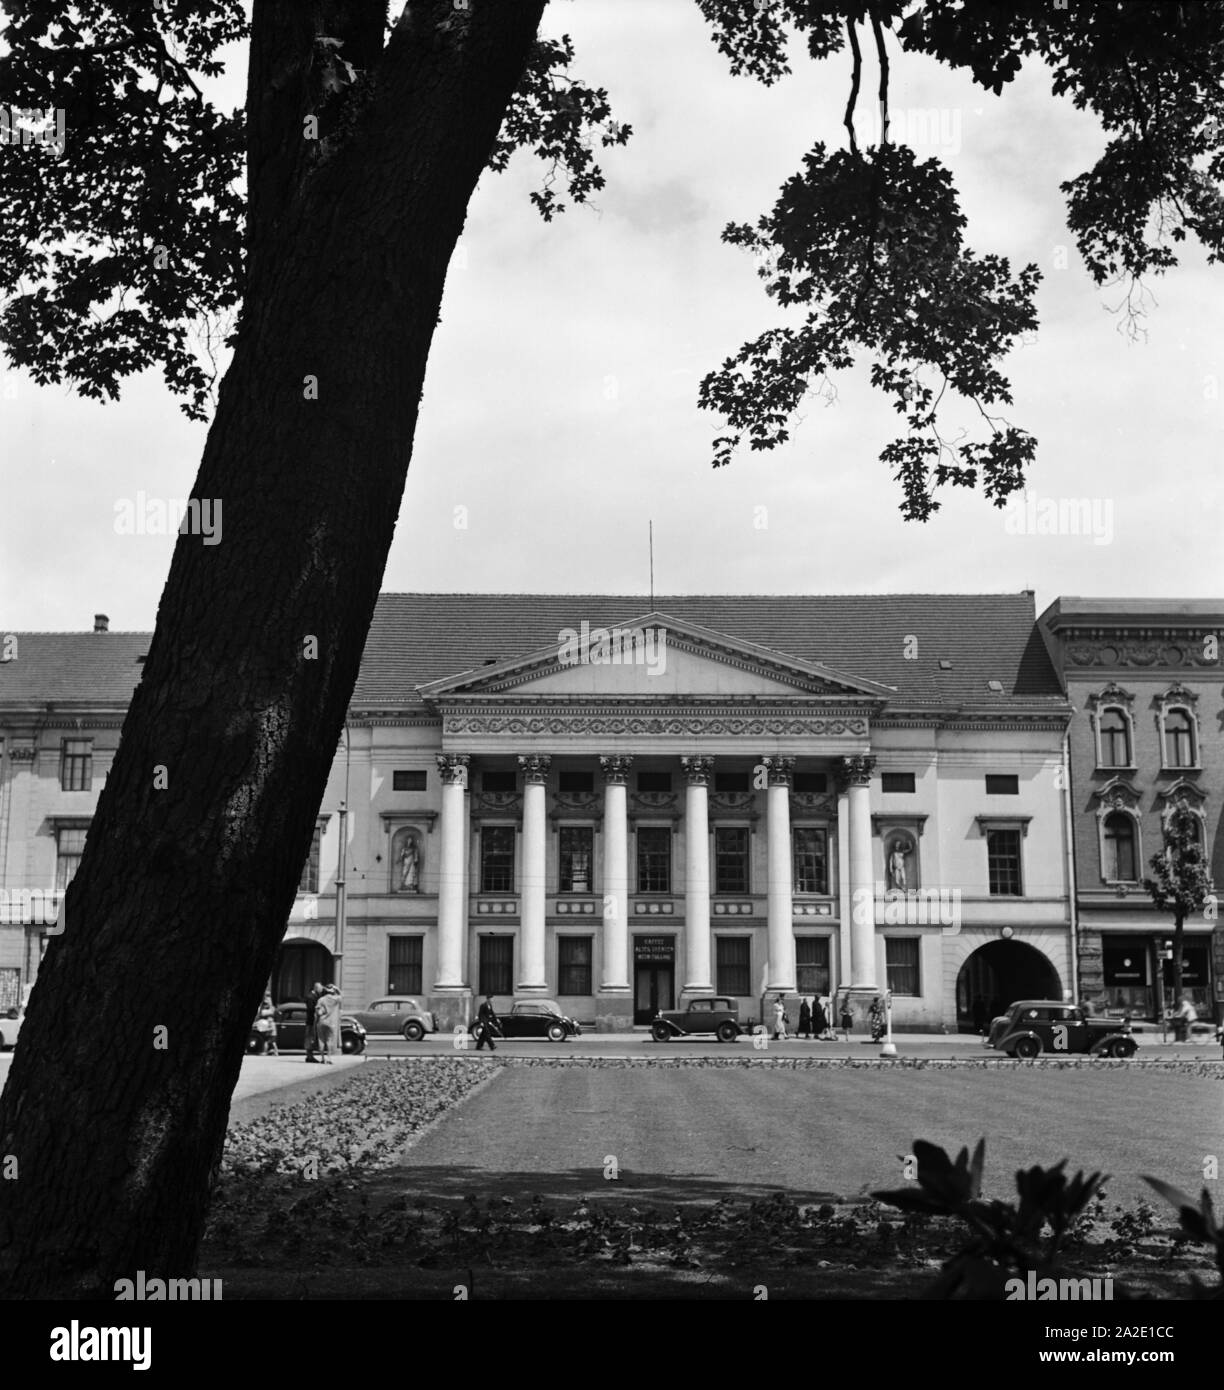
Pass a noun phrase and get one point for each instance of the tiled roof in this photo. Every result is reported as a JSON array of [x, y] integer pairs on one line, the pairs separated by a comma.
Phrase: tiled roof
[[89, 668], [416, 638]]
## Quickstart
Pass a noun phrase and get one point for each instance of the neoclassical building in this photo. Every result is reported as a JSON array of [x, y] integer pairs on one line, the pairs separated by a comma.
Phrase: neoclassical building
[[1145, 677], [622, 805]]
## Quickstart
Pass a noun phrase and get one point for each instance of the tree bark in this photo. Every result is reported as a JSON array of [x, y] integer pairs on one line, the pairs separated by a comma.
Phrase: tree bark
[[193, 857]]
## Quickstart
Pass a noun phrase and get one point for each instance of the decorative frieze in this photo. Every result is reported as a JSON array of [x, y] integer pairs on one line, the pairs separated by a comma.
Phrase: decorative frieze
[[494, 908], [655, 726], [811, 909], [654, 909], [575, 909], [726, 909]]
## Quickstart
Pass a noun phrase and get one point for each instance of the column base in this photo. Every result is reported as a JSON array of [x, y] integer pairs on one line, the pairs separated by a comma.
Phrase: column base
[[451, 1005], [532, 991], [614, 1010]]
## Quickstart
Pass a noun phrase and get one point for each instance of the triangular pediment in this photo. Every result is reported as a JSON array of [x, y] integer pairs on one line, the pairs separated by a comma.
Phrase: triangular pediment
[[654, 656]]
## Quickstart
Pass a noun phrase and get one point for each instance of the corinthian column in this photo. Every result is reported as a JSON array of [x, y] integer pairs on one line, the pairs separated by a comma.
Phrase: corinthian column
[[615, 974], [532, 976], [855, 775], [780, 895], [697, 876], [452, 885]]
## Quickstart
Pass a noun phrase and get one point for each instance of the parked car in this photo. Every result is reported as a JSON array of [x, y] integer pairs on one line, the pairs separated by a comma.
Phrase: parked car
[[1033, 1026], [291, 1031], [10, 1026], [537, 1018], [397, 1014], [716, 1015]]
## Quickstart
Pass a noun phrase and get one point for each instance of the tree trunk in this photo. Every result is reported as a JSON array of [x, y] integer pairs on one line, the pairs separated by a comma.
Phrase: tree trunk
[[1179, 923], [116, 1105]]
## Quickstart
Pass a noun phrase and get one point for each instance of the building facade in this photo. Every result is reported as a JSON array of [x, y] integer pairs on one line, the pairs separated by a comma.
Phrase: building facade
[[1144, 677], [569, 797]]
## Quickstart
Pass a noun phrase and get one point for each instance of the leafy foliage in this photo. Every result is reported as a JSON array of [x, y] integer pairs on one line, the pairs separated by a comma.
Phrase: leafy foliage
[[1198, 1222], [1005, 1238], [871, 242]]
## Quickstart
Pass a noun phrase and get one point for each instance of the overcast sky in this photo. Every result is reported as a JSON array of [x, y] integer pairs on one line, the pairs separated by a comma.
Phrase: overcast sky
[[560, 407]]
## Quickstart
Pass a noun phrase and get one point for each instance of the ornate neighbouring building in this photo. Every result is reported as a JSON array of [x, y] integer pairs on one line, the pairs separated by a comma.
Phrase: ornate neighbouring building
[[573, 797], [1147, 680]]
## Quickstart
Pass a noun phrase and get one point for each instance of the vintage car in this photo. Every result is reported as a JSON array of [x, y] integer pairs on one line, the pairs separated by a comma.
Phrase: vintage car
[[291, 1031], [1033, 1026], [397, 1014], [10, 1026], [536, 1018], [716, 1015]]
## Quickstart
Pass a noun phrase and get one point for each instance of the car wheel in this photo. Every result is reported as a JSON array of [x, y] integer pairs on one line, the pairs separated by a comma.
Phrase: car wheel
[[556, 1032], [660, 1032], [1120, 1048], [1027, 1047], [413, 1030], [252, 1043], [727, 1032], [351, 1043]]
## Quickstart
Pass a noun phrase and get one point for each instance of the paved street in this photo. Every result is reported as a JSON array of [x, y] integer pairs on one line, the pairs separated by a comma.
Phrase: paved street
[[694, 1133]]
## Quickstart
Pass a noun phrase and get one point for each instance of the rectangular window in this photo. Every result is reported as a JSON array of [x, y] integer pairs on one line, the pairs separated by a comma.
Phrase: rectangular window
[[654, 846], [577, 855], [76, 765], [575, 782], [901, 957], [494, 779], [574, 955], [1003, 860], [408, 780], [405, 961], [811, 872], [309, 882], [497, 859], [733, 962], [732, 782], [654, 781], [69, 846], [811, 783], [812, 964], [897, 781], [1002, 784], [497, 965], [731, 859]]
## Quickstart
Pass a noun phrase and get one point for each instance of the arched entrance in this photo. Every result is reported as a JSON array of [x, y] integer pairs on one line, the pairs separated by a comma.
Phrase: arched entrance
[[998, 974], [298, 965]]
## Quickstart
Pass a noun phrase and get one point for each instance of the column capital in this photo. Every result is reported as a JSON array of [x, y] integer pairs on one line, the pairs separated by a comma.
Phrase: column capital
[[535, 766], [615, 769], [780, 771], [698, 771], [453, 767], [854, 772]]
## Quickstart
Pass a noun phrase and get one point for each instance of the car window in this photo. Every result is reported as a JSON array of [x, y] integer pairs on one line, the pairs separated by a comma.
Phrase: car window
[[702, 1005], [383, 1006]]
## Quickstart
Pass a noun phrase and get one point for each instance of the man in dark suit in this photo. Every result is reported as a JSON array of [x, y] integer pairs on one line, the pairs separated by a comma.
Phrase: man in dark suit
[[312, 1035], [486, 1025]]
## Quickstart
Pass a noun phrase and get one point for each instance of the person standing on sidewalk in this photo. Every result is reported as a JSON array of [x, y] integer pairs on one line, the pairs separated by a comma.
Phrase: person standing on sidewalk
[[313, 995], [805, 1019], [327, 1021]]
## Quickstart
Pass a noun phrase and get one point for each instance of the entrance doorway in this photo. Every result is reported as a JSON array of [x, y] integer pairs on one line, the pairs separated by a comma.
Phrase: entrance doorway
[[998, 974], [298, 965], [654, 973]]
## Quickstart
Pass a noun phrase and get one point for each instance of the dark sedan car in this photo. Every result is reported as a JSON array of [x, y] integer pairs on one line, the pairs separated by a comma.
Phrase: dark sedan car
[[537, 1018], [1033, 1026], [291, 1031]]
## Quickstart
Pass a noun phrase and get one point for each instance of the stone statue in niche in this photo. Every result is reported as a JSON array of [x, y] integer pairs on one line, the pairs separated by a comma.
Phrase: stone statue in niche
[[898, 876], [407, 863]]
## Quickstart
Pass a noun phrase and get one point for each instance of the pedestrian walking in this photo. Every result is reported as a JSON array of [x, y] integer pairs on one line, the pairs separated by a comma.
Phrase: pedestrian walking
[[847, 1018], [1183, 1016], [487, 1027], [327, 1022], [313, 995], [805, 1019], [876, 1015], [265, 1029], [820, 1019], [780, 1018]]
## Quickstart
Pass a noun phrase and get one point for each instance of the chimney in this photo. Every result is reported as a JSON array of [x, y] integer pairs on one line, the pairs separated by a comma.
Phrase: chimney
[[101, 622]]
